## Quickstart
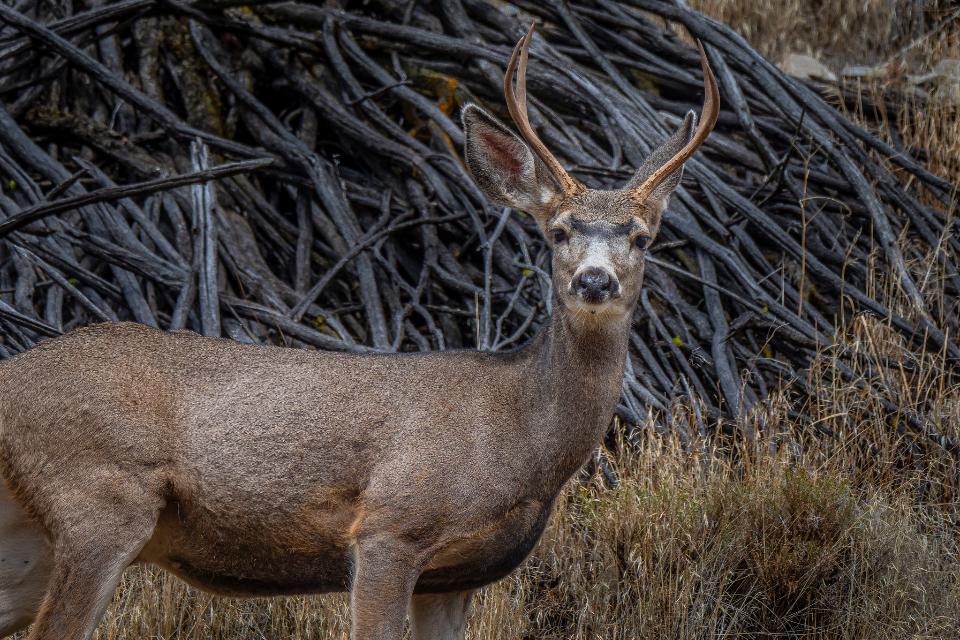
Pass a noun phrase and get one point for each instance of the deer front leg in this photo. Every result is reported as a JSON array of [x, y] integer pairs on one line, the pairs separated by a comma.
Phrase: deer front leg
[[441, 616], [386, 571]]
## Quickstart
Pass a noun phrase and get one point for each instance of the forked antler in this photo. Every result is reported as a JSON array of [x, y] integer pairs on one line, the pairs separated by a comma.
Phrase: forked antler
[[708, 118], [517, 106]]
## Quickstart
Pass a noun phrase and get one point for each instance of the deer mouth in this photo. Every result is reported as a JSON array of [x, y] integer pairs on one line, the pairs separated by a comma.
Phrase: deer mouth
[[592, 298]]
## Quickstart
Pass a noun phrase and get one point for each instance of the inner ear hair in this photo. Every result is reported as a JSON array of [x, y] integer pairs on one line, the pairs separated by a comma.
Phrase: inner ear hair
[[504, 167]]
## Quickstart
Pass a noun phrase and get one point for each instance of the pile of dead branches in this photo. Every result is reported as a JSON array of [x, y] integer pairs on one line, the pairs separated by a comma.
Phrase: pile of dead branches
[[340, 215]]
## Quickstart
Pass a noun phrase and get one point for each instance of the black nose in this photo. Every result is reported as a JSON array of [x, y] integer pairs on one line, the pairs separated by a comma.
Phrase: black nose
[[594, 284]]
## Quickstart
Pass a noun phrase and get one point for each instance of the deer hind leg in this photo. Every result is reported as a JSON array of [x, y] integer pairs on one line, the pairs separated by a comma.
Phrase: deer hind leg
[[93, 545], [441, 616], [25, 561]]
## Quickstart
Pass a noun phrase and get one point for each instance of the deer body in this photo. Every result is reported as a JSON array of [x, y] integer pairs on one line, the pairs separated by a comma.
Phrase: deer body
[[410, 480], [252, 502]]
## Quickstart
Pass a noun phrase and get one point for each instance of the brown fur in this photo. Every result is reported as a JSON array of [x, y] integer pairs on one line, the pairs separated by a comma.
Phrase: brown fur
[[254, 470]]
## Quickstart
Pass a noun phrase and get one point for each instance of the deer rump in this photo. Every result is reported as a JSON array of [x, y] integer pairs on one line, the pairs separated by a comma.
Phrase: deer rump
[[252, 470]]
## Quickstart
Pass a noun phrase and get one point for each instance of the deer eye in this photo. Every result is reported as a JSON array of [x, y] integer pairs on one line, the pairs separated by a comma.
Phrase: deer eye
[[559, 235], [642, 242]]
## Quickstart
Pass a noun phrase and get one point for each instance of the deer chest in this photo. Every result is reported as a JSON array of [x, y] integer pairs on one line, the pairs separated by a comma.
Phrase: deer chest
[[489, 553]]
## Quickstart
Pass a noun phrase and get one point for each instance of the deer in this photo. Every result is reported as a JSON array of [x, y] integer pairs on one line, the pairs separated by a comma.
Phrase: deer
[[409, 480]]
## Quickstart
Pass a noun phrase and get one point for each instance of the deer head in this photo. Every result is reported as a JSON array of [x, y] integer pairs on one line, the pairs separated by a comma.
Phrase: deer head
[[599, 237]]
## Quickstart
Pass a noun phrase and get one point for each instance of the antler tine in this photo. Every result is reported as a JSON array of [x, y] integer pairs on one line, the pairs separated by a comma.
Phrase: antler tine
[[517, 106], [708, 118]]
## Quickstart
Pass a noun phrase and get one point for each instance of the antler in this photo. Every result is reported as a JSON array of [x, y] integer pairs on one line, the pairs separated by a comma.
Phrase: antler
[[517, 106], [708, 118]]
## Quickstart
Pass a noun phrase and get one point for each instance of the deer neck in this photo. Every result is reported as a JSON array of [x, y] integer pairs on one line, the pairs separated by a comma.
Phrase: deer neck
[[579, 373]]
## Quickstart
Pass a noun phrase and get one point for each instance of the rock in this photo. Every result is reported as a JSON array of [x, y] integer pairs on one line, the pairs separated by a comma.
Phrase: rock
[[943, 81], [945, 71], [948, 69], [806, 67], [865, 71]]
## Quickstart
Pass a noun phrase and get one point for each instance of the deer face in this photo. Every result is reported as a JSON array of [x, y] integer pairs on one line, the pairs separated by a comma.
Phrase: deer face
[[599, 238]]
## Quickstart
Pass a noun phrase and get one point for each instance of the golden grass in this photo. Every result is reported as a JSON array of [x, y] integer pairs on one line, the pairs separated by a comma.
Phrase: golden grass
[[900, 36], [853, 535], [927, 119], [805, 543], [862, 31], [798, 535]]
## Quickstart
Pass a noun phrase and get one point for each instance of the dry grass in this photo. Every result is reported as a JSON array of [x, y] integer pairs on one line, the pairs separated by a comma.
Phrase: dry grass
[[856, 31], [927, 121], [799, 536], [852, 534], [777, 551], [906, 38]]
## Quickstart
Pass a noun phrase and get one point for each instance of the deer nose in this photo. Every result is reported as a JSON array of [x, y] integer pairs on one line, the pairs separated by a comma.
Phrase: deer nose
[[594, 284]]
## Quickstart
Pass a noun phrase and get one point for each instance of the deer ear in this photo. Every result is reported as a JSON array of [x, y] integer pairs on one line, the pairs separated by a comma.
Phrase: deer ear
[[503, 166], [658, 157]]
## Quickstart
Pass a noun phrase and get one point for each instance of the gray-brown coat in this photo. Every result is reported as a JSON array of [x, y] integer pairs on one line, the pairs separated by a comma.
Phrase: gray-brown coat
[[410, 480]]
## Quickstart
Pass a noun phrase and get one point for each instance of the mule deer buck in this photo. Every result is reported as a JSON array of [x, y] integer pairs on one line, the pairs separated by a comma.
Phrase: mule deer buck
[[410, 480]]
